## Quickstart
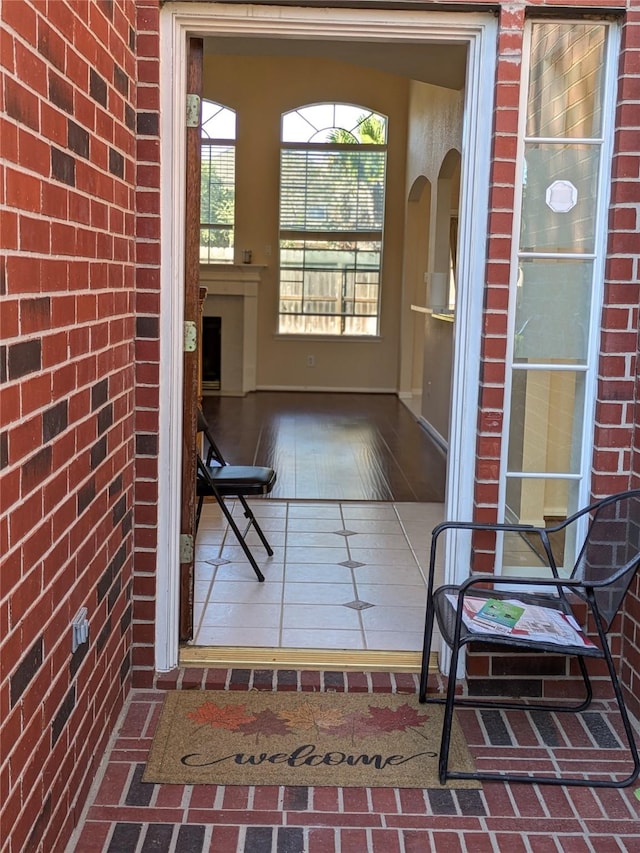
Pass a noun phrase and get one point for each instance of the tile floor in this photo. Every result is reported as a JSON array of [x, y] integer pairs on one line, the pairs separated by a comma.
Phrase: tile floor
[[344, 575]]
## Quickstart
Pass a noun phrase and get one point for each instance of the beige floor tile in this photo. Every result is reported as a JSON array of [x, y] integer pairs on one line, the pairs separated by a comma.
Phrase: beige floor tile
[[379, 541], [311, 510], [397, 595], [233, 636], [250, 592], [337, 554], [241, 614], [322, 616], [395, 557], [315, 539], [318, 593], [396, 619], [317, 573], [243, 571], [325, 639], [393, 641]]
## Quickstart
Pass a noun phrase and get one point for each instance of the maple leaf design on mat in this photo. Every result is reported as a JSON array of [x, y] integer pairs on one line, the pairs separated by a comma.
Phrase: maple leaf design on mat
[[230, 717], [376, 720], [398, 719], [307, 717], [265, 723]]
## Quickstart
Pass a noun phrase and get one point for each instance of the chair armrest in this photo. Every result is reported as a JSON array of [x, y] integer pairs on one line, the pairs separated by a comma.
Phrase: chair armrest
[[482, 525], [495, 527], [478, 578]]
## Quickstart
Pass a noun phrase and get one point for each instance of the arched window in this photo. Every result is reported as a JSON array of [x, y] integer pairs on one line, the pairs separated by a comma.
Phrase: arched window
[[332, 191], [217, 184]]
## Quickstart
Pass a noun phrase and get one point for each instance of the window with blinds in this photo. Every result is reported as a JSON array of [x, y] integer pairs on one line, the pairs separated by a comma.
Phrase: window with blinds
[[217, 186], [332, 188]]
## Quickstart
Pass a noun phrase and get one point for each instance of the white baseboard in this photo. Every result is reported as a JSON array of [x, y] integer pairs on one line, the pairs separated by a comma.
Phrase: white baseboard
[[437, 438], [321, 389]]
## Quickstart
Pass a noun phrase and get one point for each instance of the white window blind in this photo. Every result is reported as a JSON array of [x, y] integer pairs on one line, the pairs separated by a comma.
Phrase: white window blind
[[335, 190]]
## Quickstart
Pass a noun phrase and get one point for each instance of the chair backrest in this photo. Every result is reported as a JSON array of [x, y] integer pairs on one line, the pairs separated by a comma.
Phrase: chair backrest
[[213, 451], [610, 554]]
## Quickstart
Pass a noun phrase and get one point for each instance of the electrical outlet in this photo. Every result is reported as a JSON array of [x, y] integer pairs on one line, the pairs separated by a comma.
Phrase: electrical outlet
[[79, 629], [311, 361]]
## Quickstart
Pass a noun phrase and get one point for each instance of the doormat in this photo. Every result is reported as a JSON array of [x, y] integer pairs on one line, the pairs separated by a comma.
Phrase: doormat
[[315, 739]]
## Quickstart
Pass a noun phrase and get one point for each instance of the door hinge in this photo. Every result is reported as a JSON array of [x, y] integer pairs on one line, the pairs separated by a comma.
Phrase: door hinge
[[193, 110], [186, 548], [190, 336]]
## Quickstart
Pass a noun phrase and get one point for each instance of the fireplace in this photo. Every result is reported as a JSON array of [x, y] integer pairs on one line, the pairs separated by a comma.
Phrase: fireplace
[[211, 353], [232, 301]]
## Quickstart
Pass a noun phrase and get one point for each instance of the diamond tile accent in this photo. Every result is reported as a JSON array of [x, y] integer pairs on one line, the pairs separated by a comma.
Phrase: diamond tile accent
[[351, 564], [218, 561], [358, 605], [345, 532]]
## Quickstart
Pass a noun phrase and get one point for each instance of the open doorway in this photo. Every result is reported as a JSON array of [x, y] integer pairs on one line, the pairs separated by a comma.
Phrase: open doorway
[[398, 30]]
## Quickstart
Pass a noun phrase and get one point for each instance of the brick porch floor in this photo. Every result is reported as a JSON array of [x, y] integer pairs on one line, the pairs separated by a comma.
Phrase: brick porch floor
[[125, 815]]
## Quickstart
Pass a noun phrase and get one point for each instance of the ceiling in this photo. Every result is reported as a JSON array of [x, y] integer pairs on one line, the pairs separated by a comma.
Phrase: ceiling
[[438, 64]]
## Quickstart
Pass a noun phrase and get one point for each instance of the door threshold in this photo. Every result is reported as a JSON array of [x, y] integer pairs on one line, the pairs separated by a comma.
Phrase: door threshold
[[247, 657]]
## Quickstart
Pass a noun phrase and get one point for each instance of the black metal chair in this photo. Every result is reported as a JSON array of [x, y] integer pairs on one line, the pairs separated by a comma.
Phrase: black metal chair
[[217, 479], [606, 565]]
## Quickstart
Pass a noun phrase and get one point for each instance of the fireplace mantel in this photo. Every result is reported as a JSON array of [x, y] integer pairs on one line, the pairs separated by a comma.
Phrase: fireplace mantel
[[232, 295]]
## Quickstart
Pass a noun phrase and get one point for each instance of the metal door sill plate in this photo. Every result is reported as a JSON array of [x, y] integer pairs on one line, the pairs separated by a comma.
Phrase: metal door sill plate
[[323, 659]]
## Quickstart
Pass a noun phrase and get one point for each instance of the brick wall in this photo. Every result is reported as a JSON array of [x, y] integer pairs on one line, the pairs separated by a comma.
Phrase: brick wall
[[616, 396], [148, 343], [67, 178], [618, 424], [80, 374], [615, 406]]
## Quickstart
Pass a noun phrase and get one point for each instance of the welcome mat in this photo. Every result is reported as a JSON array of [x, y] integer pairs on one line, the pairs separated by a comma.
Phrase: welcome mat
[[290, 738]]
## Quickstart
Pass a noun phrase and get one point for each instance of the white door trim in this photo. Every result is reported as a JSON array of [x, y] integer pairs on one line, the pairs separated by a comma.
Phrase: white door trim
[[177, 22]]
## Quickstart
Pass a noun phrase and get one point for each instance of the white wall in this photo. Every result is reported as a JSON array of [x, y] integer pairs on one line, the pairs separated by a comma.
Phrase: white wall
[[435, 128], [260, 89]]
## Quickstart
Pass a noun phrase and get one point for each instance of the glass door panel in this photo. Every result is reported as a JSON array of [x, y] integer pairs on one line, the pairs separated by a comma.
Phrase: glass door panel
[[545, 425], [566, 76], [542, 502], [565, 142], [559, 198], [552, 311]]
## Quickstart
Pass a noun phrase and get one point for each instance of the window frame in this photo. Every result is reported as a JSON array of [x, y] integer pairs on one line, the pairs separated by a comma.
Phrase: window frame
[[579, 480], [355, 237], [226, 142]]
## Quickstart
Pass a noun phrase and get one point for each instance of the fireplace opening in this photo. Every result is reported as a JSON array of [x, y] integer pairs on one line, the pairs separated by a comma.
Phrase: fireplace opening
[[211, 353]]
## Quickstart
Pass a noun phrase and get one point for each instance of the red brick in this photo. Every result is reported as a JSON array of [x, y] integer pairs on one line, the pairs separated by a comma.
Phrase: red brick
[[322, 840]]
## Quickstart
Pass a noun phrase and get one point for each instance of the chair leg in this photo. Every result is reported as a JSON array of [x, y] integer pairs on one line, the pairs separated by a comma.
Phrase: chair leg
[[248, 513], [447, 721], [239, 537], [426, 650], [198, 513], [445, 774], [622, 709]]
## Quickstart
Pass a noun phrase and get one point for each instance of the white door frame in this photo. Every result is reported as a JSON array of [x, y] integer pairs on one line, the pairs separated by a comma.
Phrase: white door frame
[[178, 21]]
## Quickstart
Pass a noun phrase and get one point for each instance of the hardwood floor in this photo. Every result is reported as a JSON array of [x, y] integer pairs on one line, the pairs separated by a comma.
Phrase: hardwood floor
[[331, 446]]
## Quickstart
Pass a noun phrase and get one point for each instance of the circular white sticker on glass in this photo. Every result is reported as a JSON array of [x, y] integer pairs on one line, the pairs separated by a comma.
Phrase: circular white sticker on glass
[[561, 196]]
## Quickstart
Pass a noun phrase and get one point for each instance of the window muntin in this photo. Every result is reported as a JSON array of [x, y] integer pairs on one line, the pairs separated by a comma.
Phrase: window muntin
[[217, 184], [332, 186]]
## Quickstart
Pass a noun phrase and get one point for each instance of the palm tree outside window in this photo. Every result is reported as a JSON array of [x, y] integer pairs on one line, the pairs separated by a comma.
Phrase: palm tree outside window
[[332, 194], [217, 183]]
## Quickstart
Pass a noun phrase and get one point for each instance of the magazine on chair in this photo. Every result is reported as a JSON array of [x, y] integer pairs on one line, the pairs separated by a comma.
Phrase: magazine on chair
[[511, 617]]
